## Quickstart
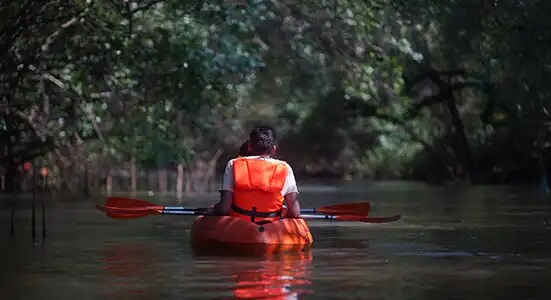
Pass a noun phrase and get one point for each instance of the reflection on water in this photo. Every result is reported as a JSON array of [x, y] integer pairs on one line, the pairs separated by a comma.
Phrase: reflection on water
[[126, 265], [459, 243], [279, 276], [127, 261], [132, 270]]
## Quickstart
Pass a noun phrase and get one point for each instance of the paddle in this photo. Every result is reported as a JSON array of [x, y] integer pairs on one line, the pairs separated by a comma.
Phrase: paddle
[[128, 208], [136, 206], [129, 213], [354, 218]]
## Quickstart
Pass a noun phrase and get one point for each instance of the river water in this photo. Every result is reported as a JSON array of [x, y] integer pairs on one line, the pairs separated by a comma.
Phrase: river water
[[451, 243]]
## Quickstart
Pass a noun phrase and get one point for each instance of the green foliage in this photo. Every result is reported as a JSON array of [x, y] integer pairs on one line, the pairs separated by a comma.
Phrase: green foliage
[[370, 88]]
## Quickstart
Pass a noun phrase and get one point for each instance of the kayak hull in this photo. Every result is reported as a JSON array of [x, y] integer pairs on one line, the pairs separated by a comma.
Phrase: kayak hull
[[230, 235]]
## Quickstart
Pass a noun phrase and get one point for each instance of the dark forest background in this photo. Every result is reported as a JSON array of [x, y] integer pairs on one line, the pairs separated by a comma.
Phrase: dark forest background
[[435, 91]]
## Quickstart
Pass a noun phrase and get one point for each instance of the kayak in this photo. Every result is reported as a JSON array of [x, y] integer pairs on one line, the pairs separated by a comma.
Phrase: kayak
[[230, 235]]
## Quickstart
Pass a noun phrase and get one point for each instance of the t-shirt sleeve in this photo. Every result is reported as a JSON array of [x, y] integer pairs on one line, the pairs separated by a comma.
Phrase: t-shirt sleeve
[[290, 185], [227, 180]]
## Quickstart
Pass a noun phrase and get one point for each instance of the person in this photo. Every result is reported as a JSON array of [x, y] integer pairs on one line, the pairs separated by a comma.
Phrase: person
[[255, 187]]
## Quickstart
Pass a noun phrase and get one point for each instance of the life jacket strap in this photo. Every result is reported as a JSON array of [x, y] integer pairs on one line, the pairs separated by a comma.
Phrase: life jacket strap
[[254, 213]]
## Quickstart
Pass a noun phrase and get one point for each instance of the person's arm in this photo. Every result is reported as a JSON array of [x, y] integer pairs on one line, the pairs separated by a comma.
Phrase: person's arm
[[293, 206], [223, 207], [290, 192]]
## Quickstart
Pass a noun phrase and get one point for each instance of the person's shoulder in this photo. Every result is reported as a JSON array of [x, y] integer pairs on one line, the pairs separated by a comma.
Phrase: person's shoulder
[[282, 162], [269, 159], [231, 161], [239, 158]]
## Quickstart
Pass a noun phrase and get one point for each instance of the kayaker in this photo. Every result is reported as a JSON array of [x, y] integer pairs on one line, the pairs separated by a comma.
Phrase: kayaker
[[255, 187]]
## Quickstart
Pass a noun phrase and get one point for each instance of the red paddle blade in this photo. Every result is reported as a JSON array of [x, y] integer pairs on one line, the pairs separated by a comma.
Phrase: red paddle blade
[[352, 209], [127, 202], [117, 215], [369, 219], [127, 213]]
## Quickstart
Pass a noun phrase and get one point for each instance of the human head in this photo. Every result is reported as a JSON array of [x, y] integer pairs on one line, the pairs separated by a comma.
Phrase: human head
[[244, 150], [262, 141]]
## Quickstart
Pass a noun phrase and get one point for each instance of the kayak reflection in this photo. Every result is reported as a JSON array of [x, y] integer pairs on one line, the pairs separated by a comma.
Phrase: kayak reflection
[[282, 275]]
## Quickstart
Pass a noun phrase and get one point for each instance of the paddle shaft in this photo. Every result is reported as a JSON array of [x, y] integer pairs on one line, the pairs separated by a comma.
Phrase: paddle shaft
[[184, 209], [130, 213], [135, 207], [308, 216], [183, 212], [181, 208], [198, 212]]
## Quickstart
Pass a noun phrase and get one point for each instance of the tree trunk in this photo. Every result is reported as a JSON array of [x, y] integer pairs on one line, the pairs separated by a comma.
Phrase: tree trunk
[[11, 178], [44, 184], [86, 179], [188, 181], [65, 174], [162, 181], [211, 172], [133, 185], [199, 172], [179, 181], [461, 138], [109, 183]]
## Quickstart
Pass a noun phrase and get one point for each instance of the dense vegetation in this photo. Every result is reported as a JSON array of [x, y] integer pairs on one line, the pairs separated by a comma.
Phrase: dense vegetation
[[416, 89]]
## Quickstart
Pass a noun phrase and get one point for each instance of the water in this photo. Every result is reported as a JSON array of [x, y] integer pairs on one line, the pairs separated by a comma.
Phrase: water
[[452, 242]]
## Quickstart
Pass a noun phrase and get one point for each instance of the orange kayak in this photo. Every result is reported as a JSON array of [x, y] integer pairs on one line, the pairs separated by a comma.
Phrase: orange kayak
[[229, 235]]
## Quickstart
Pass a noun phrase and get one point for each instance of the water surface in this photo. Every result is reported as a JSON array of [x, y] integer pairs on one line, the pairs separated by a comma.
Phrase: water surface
[[452, 242]]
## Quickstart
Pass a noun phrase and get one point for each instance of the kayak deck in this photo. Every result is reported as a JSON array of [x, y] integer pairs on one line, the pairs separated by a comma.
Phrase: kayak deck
[[229, 235]]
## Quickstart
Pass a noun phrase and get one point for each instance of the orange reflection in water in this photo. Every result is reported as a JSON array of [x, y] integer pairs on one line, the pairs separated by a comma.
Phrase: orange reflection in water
[[132, 271], [282, 275]]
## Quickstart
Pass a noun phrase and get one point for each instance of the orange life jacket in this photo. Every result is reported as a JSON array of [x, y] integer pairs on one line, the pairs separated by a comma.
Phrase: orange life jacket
[[257, 189]]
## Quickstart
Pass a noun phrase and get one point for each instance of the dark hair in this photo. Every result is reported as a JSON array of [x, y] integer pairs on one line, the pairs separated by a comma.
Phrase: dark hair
[[244, 150], [262, 139]]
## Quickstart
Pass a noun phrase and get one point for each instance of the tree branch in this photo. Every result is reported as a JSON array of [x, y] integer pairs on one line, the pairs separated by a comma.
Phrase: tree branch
[[144, 7], [433, 75], [52, 37], [441, 96], [89, 113]]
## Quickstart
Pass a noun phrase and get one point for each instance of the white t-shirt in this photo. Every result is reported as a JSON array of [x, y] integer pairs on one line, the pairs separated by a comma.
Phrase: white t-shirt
[[290, 185]]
